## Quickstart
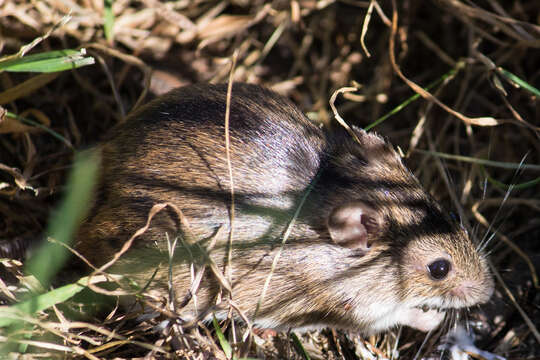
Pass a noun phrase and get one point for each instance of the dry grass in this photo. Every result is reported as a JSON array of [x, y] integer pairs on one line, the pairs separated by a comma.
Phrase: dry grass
[[305, 50]]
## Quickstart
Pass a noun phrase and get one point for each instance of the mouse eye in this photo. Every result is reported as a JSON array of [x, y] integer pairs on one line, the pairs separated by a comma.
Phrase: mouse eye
[[439, 269]]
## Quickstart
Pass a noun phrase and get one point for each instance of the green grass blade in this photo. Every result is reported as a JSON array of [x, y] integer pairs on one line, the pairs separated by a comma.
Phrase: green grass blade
[[499, 164], [42, 127], [415, 97], [108, 21], [519, 82], [298, 345], [225, 346], [51, 61], [50, 257], [504, 186], [12, 314]]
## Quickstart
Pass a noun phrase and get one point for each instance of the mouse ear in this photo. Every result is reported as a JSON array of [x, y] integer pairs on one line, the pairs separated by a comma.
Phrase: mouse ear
[[352, 225]]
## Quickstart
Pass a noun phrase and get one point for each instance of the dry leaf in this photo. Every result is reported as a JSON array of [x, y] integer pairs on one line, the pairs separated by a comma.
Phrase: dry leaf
[[10, 125], [27, 87]]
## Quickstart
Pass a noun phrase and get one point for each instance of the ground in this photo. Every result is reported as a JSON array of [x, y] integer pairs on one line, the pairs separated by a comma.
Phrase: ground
[[472, 137]]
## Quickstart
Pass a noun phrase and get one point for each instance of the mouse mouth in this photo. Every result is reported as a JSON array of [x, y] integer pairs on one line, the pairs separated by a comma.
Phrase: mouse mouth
[[424, 317], [425, 308]]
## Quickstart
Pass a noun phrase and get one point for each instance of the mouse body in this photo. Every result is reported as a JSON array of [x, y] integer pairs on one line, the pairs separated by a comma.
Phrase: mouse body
[[368, 250]]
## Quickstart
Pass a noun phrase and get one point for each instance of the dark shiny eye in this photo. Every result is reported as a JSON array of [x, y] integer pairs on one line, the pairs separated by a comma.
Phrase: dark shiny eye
[[439, 269]]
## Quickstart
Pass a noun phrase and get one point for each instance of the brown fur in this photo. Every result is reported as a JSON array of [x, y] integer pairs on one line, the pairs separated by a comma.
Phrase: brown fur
[[173, 150]]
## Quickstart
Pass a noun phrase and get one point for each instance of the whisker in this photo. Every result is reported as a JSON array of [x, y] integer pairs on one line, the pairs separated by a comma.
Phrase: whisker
[[484, 243], [394, 350], [487, 238], [466, 319], [484, 188], [452, 320], [455, 319], [452, 184], [422, 345]]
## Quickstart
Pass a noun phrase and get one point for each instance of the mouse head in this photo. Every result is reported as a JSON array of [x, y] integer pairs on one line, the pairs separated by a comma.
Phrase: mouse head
[[383, 211], [443, 272]]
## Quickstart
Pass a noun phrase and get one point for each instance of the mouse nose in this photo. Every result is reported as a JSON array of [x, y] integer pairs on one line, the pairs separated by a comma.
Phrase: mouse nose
[[472, 292]]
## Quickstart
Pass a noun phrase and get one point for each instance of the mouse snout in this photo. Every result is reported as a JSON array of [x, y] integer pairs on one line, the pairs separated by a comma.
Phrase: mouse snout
[[473, 292]]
